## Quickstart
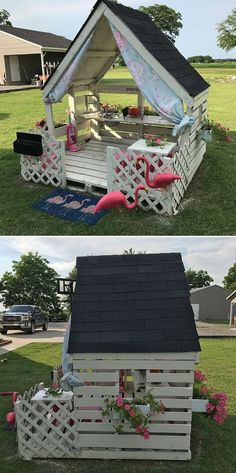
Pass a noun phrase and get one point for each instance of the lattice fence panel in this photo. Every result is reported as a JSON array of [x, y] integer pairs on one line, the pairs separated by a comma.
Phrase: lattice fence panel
[[49, 168], [46, 429], [124, 174]]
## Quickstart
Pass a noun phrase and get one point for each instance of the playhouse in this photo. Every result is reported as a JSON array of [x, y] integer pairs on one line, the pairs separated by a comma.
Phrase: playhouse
[[132, 332], [163, 78]]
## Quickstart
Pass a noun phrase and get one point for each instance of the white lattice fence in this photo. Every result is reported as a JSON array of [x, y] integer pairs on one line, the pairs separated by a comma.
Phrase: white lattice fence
[[124, 174], [49, 168], [45, 429]]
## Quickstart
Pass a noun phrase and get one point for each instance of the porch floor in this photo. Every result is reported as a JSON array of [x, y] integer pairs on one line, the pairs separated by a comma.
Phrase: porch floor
[[87, 168]]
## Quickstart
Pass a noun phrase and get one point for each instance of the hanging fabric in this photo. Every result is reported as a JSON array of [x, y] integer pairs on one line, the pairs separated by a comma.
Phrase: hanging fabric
[[64, 83], [153, 88], [69, 379]]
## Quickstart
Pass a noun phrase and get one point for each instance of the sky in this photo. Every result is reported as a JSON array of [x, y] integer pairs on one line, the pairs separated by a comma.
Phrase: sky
[[198, 35], [213, 254]]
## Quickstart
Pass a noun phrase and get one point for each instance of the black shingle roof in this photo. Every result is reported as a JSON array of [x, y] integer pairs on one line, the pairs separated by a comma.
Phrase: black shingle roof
[[132, 303], [160, 47], [46, 40]]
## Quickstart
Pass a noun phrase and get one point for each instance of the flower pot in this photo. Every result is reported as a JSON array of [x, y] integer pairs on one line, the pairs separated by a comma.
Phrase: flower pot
[[199, 405], [205, 135], [144, 408], [115, 415]]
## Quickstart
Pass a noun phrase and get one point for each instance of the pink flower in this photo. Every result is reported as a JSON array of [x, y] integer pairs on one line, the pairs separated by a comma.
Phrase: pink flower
[[221, 396], [210, 407], [132, 413], [139, 429], [127, 407], [221, 410], [119, 401], [146, 434], [219, 419], [204, 390], [199, 376], [158, 141]]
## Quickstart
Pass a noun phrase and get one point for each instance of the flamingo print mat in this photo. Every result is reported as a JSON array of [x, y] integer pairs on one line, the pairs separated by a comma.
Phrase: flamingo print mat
[[72, 206]]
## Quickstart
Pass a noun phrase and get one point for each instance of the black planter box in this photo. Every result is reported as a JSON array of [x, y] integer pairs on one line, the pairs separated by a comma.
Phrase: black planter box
[[28, 143]]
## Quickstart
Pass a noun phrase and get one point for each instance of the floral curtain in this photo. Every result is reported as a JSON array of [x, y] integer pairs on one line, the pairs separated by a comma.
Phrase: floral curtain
[[64, 83], [153, 88]]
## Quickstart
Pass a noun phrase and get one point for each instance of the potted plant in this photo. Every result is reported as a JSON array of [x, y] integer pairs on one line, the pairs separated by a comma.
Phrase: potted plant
[[211, 129], [214, 405], [152, 140], [135, 412]]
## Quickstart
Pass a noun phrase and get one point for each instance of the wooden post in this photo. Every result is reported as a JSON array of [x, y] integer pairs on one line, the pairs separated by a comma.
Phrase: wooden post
[[95, 124], [42, 65], [140, 104], [72, 108], [231, 314], [49, 118]]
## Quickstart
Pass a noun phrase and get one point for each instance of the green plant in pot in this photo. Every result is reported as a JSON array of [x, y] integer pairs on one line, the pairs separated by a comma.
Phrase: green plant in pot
[[136, 412]]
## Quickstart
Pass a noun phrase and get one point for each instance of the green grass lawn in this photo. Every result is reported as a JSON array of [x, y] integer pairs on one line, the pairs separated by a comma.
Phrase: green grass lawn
[[213, 446], [208, 206]]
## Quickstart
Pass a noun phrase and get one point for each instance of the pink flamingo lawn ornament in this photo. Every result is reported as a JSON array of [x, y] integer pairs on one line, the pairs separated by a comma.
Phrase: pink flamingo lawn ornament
[[75, 204], [161, 180], [115, 199], [58, 199]]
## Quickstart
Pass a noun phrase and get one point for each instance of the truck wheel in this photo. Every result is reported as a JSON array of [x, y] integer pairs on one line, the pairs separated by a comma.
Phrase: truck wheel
[[45, 326], [4, 331], [32, 328]]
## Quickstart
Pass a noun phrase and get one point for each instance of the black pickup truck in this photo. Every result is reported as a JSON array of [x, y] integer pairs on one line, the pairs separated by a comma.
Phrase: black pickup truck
[[23, 317]]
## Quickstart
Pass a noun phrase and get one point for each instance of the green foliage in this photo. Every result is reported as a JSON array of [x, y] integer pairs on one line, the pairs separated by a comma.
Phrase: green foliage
[[200, 59], [226, 38], [167, 19], [4, 15], [198, 278], [73, 273], [31, 281], [230, 279], [131, 251]]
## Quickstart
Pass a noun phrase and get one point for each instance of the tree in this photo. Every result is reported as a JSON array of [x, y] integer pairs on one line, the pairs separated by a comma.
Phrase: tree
[[31, 281], [230, 279], [226, 38], [198, 278], [131, 251], [73, 273], [4, 15], [167, 19]]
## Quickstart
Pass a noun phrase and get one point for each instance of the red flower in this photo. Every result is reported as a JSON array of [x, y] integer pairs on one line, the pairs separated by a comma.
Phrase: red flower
[[132, 413]]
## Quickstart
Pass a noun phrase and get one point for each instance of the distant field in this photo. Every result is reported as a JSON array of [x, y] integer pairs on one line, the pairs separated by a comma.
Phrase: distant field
[[215, 65]]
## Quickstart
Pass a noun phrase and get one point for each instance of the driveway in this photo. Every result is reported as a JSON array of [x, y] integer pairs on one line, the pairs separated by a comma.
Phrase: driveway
[[54, 334], [215, 330]]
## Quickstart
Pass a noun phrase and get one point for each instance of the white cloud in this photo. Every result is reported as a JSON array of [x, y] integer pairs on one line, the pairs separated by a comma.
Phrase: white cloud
[[213, 254]]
